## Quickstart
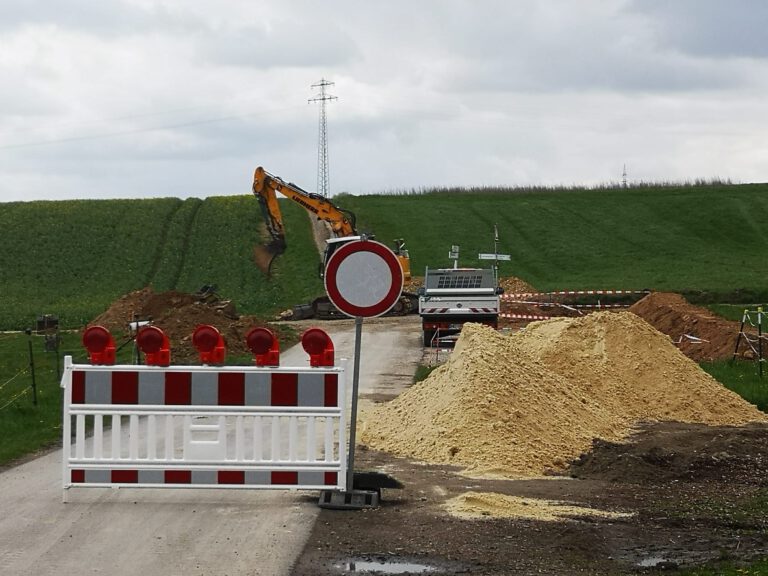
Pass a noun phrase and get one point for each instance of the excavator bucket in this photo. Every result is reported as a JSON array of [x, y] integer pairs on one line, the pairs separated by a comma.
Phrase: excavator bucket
[[265, 254]]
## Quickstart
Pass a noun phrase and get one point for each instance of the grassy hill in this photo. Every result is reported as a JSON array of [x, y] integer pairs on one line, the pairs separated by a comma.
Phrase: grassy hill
[[73, 258], [705, 238]]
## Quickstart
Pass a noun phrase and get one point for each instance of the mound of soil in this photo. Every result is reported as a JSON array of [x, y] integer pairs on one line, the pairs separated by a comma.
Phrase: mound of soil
[[672, 451], [698, 333], [528, 403], [178, 314], [514, 285]]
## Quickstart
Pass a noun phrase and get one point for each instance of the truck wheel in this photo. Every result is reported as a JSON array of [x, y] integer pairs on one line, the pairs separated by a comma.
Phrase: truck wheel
[[428, 335]]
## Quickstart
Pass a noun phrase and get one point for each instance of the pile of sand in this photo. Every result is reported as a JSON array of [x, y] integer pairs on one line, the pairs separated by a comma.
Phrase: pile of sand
[[698, 332], [528, 403], [480, 505]]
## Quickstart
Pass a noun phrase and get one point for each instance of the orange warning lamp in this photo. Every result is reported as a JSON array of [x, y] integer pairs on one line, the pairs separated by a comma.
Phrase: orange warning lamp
[[319, 347], [209, 344], [264, 345], [100, 345], [155, 345]]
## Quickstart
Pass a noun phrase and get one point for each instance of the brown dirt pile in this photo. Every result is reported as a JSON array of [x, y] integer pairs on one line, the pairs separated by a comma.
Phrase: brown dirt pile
[[674, 316], [514, 285], [528, 403], [178, 314]]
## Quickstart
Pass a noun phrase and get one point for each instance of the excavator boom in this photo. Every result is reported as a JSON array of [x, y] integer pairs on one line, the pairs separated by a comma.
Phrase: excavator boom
[[266, 187]]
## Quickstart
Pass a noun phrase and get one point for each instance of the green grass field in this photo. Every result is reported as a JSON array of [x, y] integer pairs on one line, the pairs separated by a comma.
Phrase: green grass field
[[25, 427], [73, 258], [709, 238]]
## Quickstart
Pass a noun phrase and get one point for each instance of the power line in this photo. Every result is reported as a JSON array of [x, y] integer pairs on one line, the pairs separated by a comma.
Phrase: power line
[[323, 177], [130, 132]]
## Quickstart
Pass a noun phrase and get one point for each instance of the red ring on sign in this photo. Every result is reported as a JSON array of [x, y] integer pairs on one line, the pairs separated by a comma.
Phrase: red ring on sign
[[389, 258]]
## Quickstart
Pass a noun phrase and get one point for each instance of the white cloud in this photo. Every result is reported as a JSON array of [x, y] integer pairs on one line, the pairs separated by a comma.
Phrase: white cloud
[[125, 98]]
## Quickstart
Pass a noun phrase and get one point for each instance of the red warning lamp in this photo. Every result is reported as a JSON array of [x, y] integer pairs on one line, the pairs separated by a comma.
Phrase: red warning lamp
[[100, 345], [155, 345], [209, 344], [319, 347], [264, 345]]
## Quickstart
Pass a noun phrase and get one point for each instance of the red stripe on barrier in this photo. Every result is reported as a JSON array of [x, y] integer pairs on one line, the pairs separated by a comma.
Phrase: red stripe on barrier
[[285, 389], [283, 477], [78, 476], [331, 392], [125, 476], [178, 388], [331, 478], [231, 477], [78, 387], [178, 477], [231, 389], [125, 388]]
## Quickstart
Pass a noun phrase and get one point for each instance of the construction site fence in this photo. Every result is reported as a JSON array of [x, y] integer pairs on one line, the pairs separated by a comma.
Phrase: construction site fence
[[756, 343], [204, 427], [517, 296]]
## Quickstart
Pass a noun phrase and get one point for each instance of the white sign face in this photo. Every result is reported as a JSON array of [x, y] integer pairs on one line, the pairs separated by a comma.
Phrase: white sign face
[[363, 279]]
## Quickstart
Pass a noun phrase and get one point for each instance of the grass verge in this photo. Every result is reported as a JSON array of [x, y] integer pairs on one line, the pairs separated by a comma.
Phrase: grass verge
[[742, 377]]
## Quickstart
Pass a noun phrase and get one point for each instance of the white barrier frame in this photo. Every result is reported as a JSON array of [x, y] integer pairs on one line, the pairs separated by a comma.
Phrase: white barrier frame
[[146, 434]]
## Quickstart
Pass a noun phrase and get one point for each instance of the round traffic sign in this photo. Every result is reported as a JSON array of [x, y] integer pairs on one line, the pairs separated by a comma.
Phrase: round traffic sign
[[363, 279]]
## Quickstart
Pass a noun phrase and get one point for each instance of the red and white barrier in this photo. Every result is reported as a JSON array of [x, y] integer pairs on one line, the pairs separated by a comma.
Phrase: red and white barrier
[[523, 295], [569, 306], [206, 426], [525, 317]]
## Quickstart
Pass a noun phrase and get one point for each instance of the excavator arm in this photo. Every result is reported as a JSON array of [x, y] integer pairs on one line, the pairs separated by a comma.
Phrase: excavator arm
[[265, 188]]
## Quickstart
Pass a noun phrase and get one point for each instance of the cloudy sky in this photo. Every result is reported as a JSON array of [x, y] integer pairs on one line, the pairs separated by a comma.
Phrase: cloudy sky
[[151, 98]]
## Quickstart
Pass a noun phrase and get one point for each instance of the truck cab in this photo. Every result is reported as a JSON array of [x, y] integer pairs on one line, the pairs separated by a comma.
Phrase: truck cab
[[452, 296]]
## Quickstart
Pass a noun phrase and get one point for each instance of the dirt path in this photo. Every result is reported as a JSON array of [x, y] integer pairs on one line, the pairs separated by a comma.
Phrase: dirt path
[[168, 533]]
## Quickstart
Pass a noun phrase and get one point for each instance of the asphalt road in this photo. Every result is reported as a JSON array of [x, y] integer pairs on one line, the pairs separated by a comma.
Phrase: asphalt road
[[152, 532]]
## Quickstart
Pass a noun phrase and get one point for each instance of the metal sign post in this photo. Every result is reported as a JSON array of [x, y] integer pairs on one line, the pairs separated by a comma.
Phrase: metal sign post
[[363, 280], [353, 410], [496, 257]]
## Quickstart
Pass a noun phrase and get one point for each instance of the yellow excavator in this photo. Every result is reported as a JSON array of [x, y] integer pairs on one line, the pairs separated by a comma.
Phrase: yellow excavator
[[342, 223]]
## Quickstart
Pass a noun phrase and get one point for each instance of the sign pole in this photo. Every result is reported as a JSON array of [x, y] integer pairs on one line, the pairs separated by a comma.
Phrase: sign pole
[[353, 416], [363, 279]]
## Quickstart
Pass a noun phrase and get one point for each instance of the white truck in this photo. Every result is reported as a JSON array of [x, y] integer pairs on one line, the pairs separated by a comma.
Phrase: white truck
[[452, 296]]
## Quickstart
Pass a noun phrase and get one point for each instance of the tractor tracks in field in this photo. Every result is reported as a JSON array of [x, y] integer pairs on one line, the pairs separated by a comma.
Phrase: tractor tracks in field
[[173, 245]]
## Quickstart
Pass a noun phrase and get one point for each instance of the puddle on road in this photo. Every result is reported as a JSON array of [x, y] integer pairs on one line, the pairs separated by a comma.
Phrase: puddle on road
[[361, 566]]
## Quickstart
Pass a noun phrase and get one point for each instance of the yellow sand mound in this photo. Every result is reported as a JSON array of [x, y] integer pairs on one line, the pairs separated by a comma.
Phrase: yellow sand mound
[[526, 404], [480, 505]]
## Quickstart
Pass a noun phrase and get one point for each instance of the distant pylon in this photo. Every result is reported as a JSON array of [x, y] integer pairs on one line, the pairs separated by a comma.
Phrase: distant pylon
[[323, 176], [624, 177]]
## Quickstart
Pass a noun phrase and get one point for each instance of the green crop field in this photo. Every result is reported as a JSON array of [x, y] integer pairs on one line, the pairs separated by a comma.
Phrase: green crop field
[[700, 239], [73, 258]]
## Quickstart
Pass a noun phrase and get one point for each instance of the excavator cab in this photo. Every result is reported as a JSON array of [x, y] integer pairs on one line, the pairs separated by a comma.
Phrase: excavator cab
[[403, 257]]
